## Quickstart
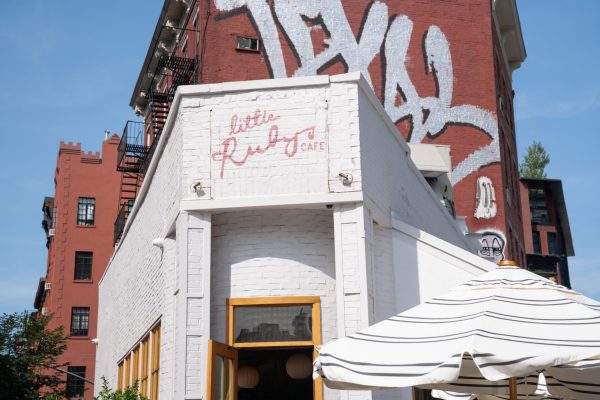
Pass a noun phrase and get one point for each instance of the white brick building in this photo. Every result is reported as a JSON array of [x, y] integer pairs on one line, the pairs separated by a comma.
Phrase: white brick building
[[283, 191]]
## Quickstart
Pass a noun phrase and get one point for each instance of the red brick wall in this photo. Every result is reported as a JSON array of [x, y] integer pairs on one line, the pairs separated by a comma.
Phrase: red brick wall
[[81, 175], [458, 37]]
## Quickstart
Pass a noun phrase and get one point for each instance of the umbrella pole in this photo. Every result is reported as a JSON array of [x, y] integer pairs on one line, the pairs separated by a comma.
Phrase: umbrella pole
[[512, 382], [512, 385]]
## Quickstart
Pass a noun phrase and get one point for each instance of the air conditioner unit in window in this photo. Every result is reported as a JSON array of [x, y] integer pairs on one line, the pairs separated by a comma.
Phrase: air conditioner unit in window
[[47, 286], [51, 232], [44, 311]]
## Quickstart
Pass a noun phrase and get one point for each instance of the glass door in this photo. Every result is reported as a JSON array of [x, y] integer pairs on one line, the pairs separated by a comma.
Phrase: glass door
[[222, 372]]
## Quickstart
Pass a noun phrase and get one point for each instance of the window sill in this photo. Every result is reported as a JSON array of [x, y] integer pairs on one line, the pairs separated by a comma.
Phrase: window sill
[[83, 281], [79, 337], [85, 226]]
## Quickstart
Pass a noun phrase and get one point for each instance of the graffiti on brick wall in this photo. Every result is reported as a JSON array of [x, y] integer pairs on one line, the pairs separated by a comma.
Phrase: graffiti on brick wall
[[429, 115], [492, 244], [486, 207]]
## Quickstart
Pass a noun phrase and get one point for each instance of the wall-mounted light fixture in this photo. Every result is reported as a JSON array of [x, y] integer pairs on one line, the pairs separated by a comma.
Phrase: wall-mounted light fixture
[[346, 178], [196, 187]]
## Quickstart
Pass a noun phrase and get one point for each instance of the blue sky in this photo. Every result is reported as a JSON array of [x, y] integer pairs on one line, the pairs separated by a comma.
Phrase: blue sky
[[67, 74], [557, 102]]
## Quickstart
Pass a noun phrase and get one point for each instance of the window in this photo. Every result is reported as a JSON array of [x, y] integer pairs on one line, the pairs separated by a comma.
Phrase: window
[[247, 44], [120, 376], [144, 372], [80, 320], [135, 365], [75, 381], [142, 364], [127, 370], [538, 207], [422, 394], [195, 24], [552, 243], [184, 46], [83, 265], [85, 211], [537, 246], [155, 363]]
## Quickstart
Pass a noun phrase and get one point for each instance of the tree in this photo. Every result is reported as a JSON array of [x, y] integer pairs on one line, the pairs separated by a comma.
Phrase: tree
[[534, 162], [130, 393], [28, 352]]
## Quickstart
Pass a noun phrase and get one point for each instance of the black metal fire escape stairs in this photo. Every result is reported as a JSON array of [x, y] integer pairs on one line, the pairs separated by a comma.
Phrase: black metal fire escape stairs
[[135, 153], [131, 156]]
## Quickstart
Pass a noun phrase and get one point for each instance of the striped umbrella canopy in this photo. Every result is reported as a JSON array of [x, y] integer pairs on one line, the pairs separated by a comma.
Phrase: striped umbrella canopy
[[507, 323]]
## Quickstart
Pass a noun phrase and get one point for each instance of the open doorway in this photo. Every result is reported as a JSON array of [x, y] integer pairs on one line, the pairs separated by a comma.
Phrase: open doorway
[[274, 374], [271, 344]]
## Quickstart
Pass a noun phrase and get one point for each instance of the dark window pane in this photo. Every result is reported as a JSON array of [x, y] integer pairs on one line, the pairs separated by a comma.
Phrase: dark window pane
[[421, 394], [85, 211], [83, 265], [537, 247], [80, 320], [75, 385], [538, 206], [552, 243], [273, 323], [246, 43]]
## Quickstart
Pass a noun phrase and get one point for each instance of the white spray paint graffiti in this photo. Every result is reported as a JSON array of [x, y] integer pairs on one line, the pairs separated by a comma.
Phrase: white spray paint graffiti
[[486, 199], [492, 245], [429, 115]]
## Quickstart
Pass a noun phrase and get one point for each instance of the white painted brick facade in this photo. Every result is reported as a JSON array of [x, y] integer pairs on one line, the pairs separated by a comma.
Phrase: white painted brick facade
[[274, 225], [273, 253]]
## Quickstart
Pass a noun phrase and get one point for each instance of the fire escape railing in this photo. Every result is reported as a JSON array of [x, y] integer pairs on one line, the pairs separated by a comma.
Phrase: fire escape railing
[[139, 141], [131, 156]]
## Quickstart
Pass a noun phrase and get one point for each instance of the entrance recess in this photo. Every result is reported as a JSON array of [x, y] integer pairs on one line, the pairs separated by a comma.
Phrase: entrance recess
[[271, 344]]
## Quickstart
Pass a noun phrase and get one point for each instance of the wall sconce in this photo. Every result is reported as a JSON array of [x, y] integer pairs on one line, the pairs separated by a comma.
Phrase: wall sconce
[[346, 178], [196, 187]]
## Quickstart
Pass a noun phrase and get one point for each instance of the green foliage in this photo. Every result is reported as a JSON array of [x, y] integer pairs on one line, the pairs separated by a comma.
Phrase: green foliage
[[130, 393], [534, 162], [28, 352]]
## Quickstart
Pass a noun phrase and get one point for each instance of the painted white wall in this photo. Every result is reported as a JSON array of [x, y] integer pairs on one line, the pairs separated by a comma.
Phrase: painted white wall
[[392, 182], [263, 228], [137, 287], [261, 253]]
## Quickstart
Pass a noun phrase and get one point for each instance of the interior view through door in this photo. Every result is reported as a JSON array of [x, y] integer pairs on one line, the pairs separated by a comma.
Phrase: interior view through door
[[274, 374], [270, 349]]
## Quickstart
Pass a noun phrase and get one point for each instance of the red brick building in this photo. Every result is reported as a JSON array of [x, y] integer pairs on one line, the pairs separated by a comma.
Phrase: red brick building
[[441, 69], [78, 222], [548, 240]]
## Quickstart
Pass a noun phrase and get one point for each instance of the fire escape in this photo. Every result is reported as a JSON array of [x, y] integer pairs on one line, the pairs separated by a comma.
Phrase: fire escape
[[139, 140]]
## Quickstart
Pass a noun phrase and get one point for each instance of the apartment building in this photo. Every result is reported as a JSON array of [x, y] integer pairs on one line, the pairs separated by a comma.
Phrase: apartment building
[[548, 239], [79, 223]]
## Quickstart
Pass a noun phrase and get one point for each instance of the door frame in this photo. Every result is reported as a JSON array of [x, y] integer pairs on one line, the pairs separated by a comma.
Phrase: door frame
[[313, 301]]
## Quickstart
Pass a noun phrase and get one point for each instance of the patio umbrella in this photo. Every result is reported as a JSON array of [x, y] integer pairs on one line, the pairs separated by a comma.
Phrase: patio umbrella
[[540, 394], [506, 323]]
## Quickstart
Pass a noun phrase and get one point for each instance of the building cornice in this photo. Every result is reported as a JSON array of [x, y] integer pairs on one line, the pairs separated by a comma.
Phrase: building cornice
[[171, 16], [508, 27]]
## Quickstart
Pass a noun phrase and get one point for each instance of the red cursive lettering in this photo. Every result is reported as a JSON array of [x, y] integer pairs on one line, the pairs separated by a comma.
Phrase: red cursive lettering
[[230, 146], [251, 121]]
